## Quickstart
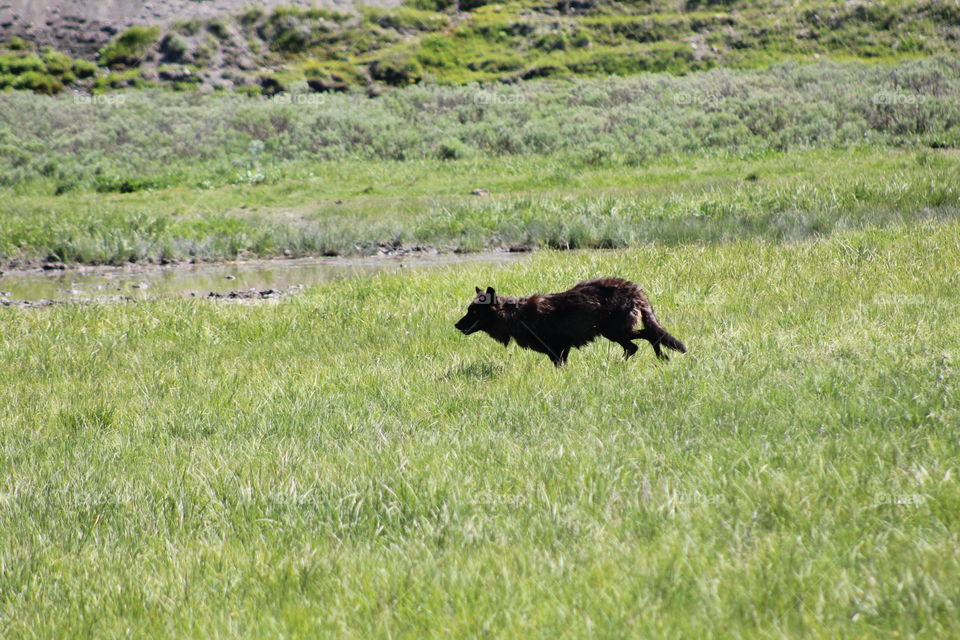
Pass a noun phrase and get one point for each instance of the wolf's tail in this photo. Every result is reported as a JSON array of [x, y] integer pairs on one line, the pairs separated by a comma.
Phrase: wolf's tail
[[668, 340], [655, 330]]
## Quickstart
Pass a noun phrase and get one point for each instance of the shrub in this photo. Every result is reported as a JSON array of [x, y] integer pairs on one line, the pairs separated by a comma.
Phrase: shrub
[[38, 82], [645, 116], [127, 49], [17, 43], [286, 30], [173, 47], [126, 79], [219, 29], [84, 68], [404, 19], [249, 90], [16, 64], [204, 53], [119, 184], [251, 16], [453, 149], [271, 84], [60, 65], [431, 5], [293, 40], [470, 5], [188, 27], [397, 70]]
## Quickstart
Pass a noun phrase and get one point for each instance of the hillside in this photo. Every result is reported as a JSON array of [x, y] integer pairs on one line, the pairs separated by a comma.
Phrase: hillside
[[82, 28], [217, 46]]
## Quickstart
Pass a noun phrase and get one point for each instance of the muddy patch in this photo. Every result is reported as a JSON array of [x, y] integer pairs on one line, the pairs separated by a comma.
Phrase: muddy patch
[[240, 281], [47, 302]]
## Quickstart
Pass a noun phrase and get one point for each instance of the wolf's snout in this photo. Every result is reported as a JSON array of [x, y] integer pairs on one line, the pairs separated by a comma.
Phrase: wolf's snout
[[464, 327]]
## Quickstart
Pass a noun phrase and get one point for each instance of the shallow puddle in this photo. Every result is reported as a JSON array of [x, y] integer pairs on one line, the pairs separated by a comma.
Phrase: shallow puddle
[[220, 278]]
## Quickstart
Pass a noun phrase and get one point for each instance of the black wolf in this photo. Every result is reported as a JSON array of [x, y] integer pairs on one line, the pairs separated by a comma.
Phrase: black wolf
[[554, 323]]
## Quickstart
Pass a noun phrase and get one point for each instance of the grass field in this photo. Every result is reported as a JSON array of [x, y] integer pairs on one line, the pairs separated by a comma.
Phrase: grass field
[[152, 140], [535, 201], [785, 152], [182, 468], [343, 463]]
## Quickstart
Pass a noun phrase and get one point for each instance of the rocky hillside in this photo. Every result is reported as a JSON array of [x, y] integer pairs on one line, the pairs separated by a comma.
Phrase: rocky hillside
[[218, 45], [82, 28]]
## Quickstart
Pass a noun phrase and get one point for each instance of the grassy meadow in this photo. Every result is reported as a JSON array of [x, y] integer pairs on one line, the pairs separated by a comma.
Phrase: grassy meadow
[[343, 463], [184, 468], [534, 202], [786, 152]]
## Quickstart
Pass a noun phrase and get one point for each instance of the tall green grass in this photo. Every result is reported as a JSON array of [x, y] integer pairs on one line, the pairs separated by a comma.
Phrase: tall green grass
[[345, 463], [789, 151], [551, 201]]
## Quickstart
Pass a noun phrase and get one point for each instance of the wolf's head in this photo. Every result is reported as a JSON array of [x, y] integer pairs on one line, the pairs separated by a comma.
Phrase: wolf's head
[[483, 314]]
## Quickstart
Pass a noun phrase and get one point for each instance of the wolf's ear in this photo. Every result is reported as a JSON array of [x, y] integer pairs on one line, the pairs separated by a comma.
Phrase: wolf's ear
[[493, 294]]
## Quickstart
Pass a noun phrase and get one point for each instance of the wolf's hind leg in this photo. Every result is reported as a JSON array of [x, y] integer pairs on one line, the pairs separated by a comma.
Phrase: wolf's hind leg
[[628, 348], [653, 338], [622, 338]]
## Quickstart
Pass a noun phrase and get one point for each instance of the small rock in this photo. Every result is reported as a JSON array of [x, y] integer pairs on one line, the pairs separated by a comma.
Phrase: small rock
[[229, 277]]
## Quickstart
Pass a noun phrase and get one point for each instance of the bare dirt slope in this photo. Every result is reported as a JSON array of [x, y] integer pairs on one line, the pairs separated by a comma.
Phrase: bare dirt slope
[[83, 26]]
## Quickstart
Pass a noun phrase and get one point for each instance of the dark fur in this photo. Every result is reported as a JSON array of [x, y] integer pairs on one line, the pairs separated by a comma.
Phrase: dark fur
[[554, 323]]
